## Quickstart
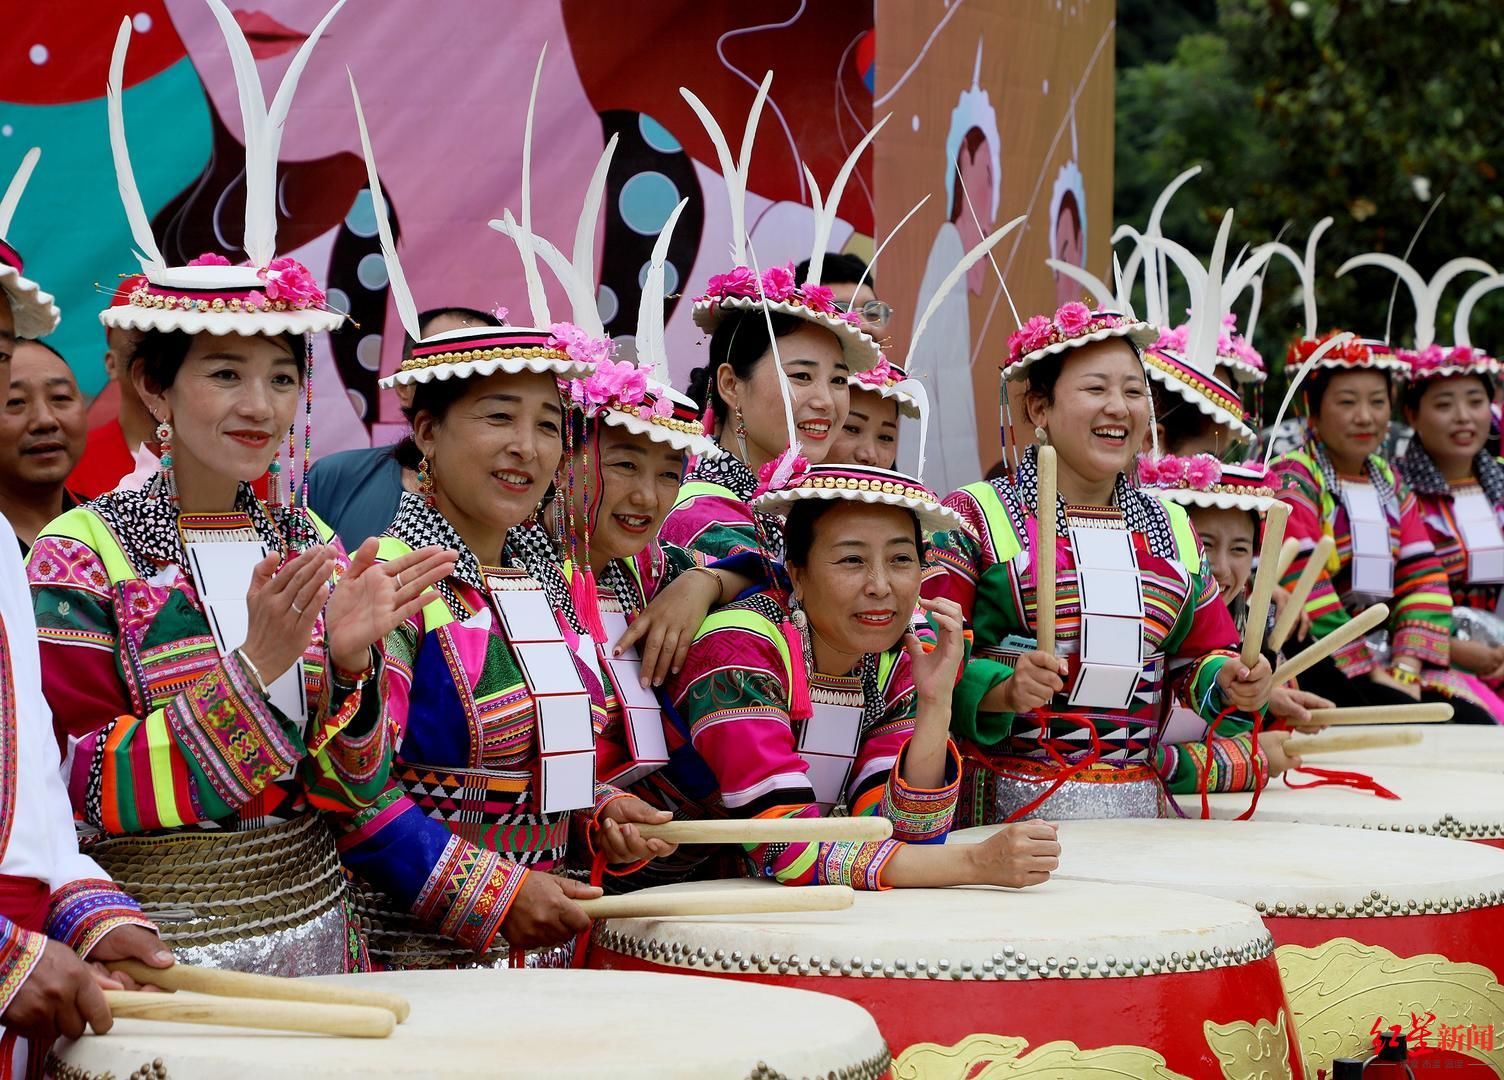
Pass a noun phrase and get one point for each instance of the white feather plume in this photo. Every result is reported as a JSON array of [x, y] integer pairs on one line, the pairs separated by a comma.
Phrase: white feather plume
[[1300, 377], [1156, 290], [584, 235], [784, 388], [1426, 295], [147, 251], [734, 172], [537, 299], [1475, 292], [407, 311], [263, 129], [17, 185], [916, 390], [891, 234], [827, 208], [1087, 280], [652, 348], [970, 259]]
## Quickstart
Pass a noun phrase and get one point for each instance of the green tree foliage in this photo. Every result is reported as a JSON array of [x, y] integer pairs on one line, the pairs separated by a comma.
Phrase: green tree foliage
[[1364, 110]]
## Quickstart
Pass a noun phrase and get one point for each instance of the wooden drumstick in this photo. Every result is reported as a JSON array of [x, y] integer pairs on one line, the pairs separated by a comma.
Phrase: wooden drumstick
[[1287, 552], [1422, 712], [1349, 740], [770, 830], [1300, 591], [1319, 650], [1044, 553], [347, 1021], [1264, 582], [240, 984], [773, 898]]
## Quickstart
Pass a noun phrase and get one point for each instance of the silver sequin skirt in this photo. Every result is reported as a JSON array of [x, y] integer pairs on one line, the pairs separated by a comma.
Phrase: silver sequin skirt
[[271, 901], [993, 796], [401, 942]]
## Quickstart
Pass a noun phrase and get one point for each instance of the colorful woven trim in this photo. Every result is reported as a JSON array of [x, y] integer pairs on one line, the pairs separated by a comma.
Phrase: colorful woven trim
[[1072, 324], [1208, 386], [1436, 362], [504, 343], [779, 287]]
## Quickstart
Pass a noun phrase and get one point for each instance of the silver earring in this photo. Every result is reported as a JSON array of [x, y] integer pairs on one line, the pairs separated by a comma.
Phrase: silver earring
[[1041, 436]]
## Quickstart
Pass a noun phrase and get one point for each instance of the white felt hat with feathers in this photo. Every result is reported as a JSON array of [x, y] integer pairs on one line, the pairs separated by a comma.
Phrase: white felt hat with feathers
[[267, 295], [32, 309]]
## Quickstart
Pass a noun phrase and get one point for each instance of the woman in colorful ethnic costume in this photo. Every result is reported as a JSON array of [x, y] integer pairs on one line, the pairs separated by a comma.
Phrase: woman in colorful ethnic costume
[[845, 707], [1139, 619], [495, 717], [751, 318], [208, 700], [1459, 488], [1337, 484], [1226, 504]]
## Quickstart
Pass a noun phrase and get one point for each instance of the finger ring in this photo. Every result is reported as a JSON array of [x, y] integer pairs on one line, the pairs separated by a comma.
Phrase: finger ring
[[296, 608], [399, 579]]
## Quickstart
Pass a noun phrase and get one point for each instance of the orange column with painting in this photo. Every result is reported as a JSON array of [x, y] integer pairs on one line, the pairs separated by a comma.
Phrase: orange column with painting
[[998, 110]]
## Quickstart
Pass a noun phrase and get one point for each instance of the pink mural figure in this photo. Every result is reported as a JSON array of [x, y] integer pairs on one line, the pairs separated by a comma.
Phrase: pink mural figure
[[942, 360], [1068, 222], [436, 75]]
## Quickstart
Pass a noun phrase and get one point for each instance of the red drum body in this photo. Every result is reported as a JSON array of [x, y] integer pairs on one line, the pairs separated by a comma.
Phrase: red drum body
[[1063, 979], [1450, 803], [1464, 747], [532, 1023], [1370, 927]]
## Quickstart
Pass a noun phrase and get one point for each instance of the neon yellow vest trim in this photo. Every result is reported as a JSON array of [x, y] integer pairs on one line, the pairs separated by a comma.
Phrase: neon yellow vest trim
[[436, 613]]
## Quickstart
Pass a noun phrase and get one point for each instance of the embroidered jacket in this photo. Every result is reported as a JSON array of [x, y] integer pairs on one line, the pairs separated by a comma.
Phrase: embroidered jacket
[[1435, 498], [1420, 622], [75, 902], [456, 829], [161, 732], [733, 747], [987, 569], [713, 513]]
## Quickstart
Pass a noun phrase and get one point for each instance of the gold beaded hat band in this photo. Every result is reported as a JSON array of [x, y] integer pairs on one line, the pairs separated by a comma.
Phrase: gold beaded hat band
[[474, 352], [1207, 393], [264, 295], [860, 483], [678, 424], [1204, 482], [33, 310]]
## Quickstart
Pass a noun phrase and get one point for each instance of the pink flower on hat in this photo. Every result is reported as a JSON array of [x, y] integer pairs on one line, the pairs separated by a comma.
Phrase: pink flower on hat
[[852, 317], [290, 281], [1148, 470], [612, 382], [1073, 318], [209, 258], [1034, 334], [1173, 339], [1203, 472], [819, 298], [880, 374], [738, 281], [578, 345], [778, 282], [782, 471]]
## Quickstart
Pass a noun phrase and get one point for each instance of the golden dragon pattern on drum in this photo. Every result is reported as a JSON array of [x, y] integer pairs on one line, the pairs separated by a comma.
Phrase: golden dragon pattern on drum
[[1339, 989]]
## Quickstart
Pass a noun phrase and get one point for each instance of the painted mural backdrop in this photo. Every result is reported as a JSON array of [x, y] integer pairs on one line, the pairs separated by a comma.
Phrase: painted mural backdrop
[[445, 86], [1000, 109]]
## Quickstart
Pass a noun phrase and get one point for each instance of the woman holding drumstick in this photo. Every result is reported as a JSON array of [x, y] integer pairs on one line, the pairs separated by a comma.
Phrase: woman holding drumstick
[[1071, 732]]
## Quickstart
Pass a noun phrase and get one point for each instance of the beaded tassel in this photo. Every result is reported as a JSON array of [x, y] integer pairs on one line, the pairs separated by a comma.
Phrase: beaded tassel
[[302, 488], [165, 485]]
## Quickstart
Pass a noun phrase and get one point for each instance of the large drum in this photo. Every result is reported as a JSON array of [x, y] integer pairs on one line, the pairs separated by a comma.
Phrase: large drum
[[1369, 926], [1067, 977], [585, 1024], [1434, 802], [1466, 747]]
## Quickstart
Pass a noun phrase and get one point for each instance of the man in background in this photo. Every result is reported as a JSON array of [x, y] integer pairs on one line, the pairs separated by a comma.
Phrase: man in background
[[110, 453], [356, 492], [42, 433]]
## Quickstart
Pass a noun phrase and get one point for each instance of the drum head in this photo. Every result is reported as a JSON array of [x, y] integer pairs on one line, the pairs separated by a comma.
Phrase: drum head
[[1280, 867], [1441, 802], [529, 1024], [1465, 747], [1058, 929]]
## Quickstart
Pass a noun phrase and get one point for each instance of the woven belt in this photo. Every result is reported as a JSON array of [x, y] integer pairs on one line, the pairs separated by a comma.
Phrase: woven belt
[[210, 888]]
